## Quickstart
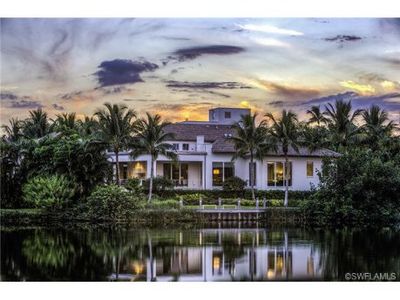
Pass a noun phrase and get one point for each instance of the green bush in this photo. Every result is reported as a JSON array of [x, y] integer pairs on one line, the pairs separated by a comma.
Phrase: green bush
[[219, 193], [112, 202], [234, 184], [50, 192], [164, 204], [160, 185], [134, 185]]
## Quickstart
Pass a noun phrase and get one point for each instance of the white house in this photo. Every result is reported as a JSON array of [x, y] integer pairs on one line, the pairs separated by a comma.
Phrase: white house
[[205, 158]]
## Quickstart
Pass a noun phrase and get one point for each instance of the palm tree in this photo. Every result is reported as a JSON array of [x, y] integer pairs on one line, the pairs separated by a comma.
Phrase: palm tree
[[250, 139], [316, 115], [116, 127], [65, 122], [376, 125], [151, 139], [87, 126], [340, 121], [13, 131], [37, 125], [285, 133]]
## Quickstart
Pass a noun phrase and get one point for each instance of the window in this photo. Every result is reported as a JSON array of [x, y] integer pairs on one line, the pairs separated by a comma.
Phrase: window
[[185, 147], [177, 173], [227, 115], [139, 170], [310, 169], [124, 171], [276, 174], [175, 147], [222, 171], [252, 172]]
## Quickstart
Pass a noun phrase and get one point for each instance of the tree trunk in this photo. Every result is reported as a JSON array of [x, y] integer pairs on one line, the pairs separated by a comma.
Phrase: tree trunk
[[286, 202], [117, 167], [151, 179], [252, 177]]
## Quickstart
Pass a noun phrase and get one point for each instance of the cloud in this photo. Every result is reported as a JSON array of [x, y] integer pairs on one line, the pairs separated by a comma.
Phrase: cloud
[[393, 61], [207, 85], [270, 29], [113, 90], [31, 104], [57, 106], [8, 96], [71, 95], [365, 89], [270, 42], [390, 25], [122, 71], [390, 101], [194, 52], [11, 100], [199, 90], [286, 91], [343, 38]]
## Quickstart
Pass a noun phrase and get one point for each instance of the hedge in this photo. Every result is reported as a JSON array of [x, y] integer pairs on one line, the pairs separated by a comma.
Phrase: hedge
[[245, 194]]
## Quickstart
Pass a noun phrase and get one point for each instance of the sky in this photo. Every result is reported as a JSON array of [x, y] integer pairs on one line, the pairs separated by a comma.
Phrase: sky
[[180, 68]]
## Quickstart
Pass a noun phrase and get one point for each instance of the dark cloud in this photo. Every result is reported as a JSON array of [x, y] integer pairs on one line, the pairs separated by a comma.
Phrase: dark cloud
[[343, 38], [277, 103], [8, 96], [71, 95], [57, 106], [385, 101], [207, 85], [113, 90], [11, 100], [393, 61], [189, 91], [194, 52], [122, 71], [30, 104], [289, 92], [140, 100]]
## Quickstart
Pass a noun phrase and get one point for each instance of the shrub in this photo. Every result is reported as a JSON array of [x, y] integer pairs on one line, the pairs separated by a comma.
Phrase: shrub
[[112, 202], [133, 185], [160, 185], [50, 192], [164, 204], [234, 184]]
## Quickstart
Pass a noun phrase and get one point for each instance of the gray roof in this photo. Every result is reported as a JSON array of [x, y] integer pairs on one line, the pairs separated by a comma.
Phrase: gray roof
[[217, 135]]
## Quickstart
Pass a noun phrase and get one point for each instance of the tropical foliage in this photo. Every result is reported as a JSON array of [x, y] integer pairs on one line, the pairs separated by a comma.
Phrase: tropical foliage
[[152, 139], [50, 192], [112, 202]]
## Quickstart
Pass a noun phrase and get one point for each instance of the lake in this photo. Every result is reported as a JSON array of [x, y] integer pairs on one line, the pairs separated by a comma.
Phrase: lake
[[218, 253]]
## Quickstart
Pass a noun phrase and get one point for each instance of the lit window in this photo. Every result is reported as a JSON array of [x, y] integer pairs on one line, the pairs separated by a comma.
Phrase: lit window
[[222, 171], [276, 173], [227, 115], [310, 169], [185, 147]]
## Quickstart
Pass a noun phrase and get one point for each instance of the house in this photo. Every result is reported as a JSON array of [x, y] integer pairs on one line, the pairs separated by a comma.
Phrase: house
[[205, 158]]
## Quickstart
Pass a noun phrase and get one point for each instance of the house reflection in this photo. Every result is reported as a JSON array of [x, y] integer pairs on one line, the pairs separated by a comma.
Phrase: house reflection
[[225, 256]]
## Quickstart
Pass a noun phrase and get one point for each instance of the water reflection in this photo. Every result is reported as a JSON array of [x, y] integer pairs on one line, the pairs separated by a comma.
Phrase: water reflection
[[213, 254]]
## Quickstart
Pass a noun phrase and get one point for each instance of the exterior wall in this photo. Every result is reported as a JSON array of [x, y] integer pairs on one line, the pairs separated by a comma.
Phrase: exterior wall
[[218, 115], [203, 180]]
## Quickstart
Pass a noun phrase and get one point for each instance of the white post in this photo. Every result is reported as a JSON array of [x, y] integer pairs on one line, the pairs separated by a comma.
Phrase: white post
[[257, 202], [200, 202], [264, 203], [181, 201]]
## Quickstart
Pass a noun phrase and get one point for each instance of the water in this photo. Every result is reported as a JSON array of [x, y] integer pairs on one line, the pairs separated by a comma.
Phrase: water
[[207, 254]]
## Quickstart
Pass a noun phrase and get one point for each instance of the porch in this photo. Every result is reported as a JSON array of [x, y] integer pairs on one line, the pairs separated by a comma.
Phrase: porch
[[184, 174]]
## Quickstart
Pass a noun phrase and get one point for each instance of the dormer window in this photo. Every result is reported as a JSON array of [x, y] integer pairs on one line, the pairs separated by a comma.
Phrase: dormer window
[[227, 115], [185, 147], [175, 147]]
